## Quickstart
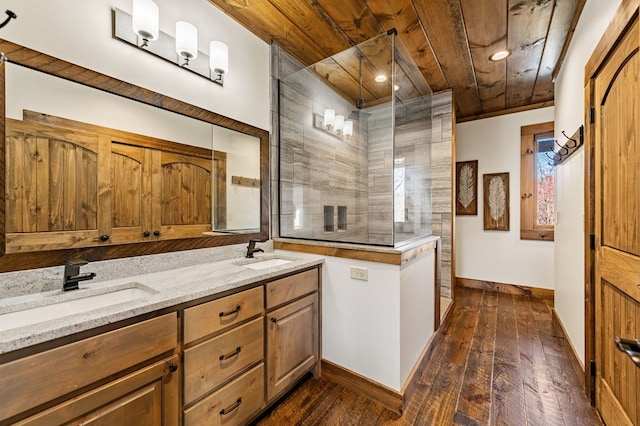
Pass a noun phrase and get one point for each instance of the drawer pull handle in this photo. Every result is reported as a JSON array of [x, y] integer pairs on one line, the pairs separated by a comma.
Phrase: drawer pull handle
[[231, 354], [229, 409], [235, 311]]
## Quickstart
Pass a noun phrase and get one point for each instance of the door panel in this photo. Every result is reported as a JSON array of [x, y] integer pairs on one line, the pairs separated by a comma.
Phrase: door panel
[[52, 182], [617, 182]]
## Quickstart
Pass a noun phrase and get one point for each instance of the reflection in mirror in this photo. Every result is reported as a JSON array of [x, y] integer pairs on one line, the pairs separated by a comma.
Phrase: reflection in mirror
[[236, 181], [94, 164]]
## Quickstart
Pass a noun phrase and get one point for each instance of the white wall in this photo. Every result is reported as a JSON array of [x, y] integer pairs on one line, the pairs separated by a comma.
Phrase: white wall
[[378, 328], [80, 31], [361, 319], [569, 115], [498, 255]]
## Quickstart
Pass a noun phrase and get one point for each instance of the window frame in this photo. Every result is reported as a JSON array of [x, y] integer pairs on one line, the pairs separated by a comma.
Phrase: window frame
[[529, 228]]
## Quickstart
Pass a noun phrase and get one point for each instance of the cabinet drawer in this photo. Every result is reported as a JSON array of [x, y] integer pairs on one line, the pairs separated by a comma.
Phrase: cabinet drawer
[[36, 379], [233, 404], [217, 315], [289, 288], [209, 364]]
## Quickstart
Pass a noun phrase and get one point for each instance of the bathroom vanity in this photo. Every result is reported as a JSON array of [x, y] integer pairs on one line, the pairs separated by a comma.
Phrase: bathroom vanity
[[208, 344]]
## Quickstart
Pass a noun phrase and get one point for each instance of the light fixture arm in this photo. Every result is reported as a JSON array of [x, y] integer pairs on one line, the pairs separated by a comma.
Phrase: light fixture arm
[[10, 16]]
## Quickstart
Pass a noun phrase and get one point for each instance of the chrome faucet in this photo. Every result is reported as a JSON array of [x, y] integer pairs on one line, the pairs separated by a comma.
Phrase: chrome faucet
[[251, 248], [72, 275]]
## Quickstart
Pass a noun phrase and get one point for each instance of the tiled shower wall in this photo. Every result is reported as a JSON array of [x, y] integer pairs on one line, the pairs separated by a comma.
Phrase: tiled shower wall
[[317, 169], [442, 160], [412, 147]]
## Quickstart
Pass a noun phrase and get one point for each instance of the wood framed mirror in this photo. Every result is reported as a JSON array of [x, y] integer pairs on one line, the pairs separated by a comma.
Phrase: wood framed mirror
[[41, 252]]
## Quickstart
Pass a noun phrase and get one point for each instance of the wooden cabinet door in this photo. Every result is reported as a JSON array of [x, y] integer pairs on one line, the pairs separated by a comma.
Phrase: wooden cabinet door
[[149, 396], [133, 207], [52, 181], [292, 343], [617, 180], [185, 195]]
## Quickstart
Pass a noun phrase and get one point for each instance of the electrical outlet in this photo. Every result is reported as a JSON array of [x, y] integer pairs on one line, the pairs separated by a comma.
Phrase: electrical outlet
[[358, 273]]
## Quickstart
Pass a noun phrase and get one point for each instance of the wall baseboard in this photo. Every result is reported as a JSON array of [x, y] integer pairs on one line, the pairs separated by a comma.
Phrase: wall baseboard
[[575, 359], [522, 290], [378, 392], [390, 398]]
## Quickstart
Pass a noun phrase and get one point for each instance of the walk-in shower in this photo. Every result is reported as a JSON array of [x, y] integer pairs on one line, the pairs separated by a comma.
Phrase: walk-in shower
[[355, 147]]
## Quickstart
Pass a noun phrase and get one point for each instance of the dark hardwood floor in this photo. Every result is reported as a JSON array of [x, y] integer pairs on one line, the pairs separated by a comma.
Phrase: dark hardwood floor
[[500, 361]]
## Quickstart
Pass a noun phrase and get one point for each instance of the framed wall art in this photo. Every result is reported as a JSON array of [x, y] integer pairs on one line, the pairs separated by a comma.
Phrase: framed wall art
[[467, 188], [496, 201]]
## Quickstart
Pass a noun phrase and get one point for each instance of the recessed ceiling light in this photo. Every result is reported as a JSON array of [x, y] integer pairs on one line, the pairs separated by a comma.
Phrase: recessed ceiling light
[[381, 78], [396, 87], [500, 55]]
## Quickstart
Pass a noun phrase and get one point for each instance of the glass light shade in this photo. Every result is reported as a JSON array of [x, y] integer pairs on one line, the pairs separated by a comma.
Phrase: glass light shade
[[348, 128], [329, 117], [146, 16], [186, 40], [339, 125], [219, 57]]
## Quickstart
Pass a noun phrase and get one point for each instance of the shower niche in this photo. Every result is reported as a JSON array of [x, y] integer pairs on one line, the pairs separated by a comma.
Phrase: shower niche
[[355, 147]]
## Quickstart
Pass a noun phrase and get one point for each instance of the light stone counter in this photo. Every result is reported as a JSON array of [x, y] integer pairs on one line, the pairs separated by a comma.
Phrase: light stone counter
[[173, 287]]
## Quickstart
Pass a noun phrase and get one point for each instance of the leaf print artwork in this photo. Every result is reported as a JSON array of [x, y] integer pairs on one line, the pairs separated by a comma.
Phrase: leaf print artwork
[[497, 198], [496, 201], [466, 193]]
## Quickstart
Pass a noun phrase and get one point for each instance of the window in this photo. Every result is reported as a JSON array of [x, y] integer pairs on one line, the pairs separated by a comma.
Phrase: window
[[537, 182]]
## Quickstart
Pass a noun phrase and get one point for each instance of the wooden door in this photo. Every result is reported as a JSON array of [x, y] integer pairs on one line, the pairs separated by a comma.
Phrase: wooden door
[[52, 180], [133, 178], [185, 195], [292, 343], [617, 228]]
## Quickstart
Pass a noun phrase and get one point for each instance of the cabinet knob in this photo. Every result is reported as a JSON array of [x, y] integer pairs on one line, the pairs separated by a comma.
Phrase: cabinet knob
[[173, 367], [104, 237], [146, 233], [156, 233]]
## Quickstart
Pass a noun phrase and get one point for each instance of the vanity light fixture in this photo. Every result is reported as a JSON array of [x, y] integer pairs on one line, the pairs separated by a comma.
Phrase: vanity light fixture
[[348, 128], [339, 125], [219, 60], [500, 55], [141, 29], [334, 124], [186, 41], [146, 16], [329, 118]]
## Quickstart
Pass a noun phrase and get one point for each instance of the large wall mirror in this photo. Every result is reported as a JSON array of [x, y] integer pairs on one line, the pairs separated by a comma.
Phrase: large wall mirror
[[98, 168]]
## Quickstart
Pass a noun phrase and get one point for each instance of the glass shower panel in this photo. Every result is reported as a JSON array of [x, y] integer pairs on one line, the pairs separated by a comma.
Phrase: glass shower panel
[[338, 163]]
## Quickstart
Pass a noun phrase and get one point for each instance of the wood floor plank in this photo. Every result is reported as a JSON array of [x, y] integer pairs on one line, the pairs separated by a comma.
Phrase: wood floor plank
[[540, 398], [507, 393], [567, 385], [475, 396], [507, 346]]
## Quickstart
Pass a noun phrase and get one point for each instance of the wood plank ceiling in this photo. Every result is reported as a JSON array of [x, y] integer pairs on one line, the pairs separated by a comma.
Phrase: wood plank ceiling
[[449, 40]]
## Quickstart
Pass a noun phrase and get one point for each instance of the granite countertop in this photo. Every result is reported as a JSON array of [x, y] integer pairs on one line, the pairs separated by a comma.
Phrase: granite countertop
[[168, 288]]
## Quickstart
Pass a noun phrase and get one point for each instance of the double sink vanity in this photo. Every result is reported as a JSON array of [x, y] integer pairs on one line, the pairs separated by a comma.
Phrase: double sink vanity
[[212, 343]]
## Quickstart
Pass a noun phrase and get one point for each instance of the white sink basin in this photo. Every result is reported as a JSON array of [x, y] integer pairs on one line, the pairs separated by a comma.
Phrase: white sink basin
[[264, 264], [64, 304]]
